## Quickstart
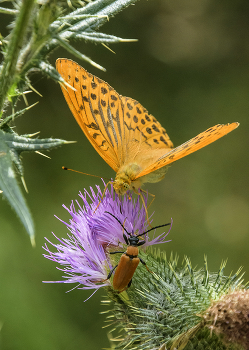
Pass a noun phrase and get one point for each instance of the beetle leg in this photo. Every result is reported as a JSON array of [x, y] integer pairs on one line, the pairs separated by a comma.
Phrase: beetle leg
[[144, 263], [115, 252], [111, 272]]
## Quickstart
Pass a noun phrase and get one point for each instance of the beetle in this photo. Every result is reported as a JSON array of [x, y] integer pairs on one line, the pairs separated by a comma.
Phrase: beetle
[[129, 259]]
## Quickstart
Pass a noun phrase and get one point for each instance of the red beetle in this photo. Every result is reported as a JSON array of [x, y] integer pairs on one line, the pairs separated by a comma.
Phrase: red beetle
[[129, 260]]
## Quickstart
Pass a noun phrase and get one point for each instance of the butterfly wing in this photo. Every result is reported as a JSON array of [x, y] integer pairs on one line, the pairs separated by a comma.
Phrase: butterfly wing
[[97, 108], [205, 138], [142, 127]]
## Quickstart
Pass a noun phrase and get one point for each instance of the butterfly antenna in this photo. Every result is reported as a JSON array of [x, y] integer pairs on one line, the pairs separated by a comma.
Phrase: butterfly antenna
[[80, 172]]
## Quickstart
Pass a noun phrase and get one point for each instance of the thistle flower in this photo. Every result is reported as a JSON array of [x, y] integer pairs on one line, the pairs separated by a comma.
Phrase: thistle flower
[[84, 255]]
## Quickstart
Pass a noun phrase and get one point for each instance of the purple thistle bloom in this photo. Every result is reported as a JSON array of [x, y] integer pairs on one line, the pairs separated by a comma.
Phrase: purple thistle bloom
[[84, 254]]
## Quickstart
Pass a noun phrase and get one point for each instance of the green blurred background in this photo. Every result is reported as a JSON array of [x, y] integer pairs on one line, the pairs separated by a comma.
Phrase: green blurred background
[[190, 69]]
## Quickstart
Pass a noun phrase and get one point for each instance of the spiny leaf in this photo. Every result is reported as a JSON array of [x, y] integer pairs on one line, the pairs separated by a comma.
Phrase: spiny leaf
[[11, 146], [11, 189]]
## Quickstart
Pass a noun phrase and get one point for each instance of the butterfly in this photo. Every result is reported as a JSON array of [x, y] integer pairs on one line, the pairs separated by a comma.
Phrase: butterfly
[[121, 130]]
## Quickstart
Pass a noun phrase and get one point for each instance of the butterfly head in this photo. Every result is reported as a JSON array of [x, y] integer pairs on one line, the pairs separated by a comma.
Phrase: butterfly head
[[121, 186], [126, 179]]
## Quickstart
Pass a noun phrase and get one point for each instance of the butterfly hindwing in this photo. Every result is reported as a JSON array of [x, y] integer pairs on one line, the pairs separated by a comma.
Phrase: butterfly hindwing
[[142, 127]]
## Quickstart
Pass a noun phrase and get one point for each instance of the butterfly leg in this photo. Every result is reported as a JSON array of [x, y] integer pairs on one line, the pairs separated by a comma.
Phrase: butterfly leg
[[152, 195], [142, 198], [102, 196]]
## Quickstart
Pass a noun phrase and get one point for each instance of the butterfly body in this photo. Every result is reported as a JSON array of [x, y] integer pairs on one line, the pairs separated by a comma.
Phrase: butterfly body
[[126, 178], [121, 130]]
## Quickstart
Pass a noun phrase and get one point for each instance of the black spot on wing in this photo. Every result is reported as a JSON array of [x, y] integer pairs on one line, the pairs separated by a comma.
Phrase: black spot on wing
[[135, 119], [130, 107], [94, 85], [92, 126], [103, 90], [155, 128], [163, 140]]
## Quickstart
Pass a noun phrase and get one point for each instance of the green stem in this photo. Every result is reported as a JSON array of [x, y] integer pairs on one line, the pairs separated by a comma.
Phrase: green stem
[[9, 70]]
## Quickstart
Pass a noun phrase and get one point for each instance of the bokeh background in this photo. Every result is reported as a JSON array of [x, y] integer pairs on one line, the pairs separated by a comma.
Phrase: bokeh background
[[190, 69]]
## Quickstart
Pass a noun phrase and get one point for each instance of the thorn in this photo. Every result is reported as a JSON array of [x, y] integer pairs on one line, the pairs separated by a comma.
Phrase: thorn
[[41, 154], [25, 99], [108, 48], [26, 92], [32, 240], [32, 88], [32, 106], [63, 82], [66, 142], [97, 66], [128, 40], [24, 184], [34, 134]]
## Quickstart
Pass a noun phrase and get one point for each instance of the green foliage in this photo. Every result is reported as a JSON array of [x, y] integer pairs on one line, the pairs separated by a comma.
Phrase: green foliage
[[11, 147], [39, 28]]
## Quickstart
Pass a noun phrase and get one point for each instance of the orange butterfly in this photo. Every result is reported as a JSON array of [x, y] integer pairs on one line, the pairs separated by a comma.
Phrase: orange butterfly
[[130, 140]]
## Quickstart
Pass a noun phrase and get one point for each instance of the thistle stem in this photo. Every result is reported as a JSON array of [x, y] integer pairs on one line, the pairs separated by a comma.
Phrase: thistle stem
[[9, 70]]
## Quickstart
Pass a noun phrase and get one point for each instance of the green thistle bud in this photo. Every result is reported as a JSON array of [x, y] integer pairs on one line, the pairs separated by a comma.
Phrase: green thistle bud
[[175, 307]]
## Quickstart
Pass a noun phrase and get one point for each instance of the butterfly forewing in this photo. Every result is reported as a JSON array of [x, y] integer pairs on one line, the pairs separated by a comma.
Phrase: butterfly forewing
[[97, 109], [205, 138]]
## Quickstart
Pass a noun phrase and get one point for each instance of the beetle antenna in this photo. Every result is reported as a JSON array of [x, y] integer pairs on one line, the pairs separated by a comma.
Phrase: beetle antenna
[[119, 222], [153, 228]]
